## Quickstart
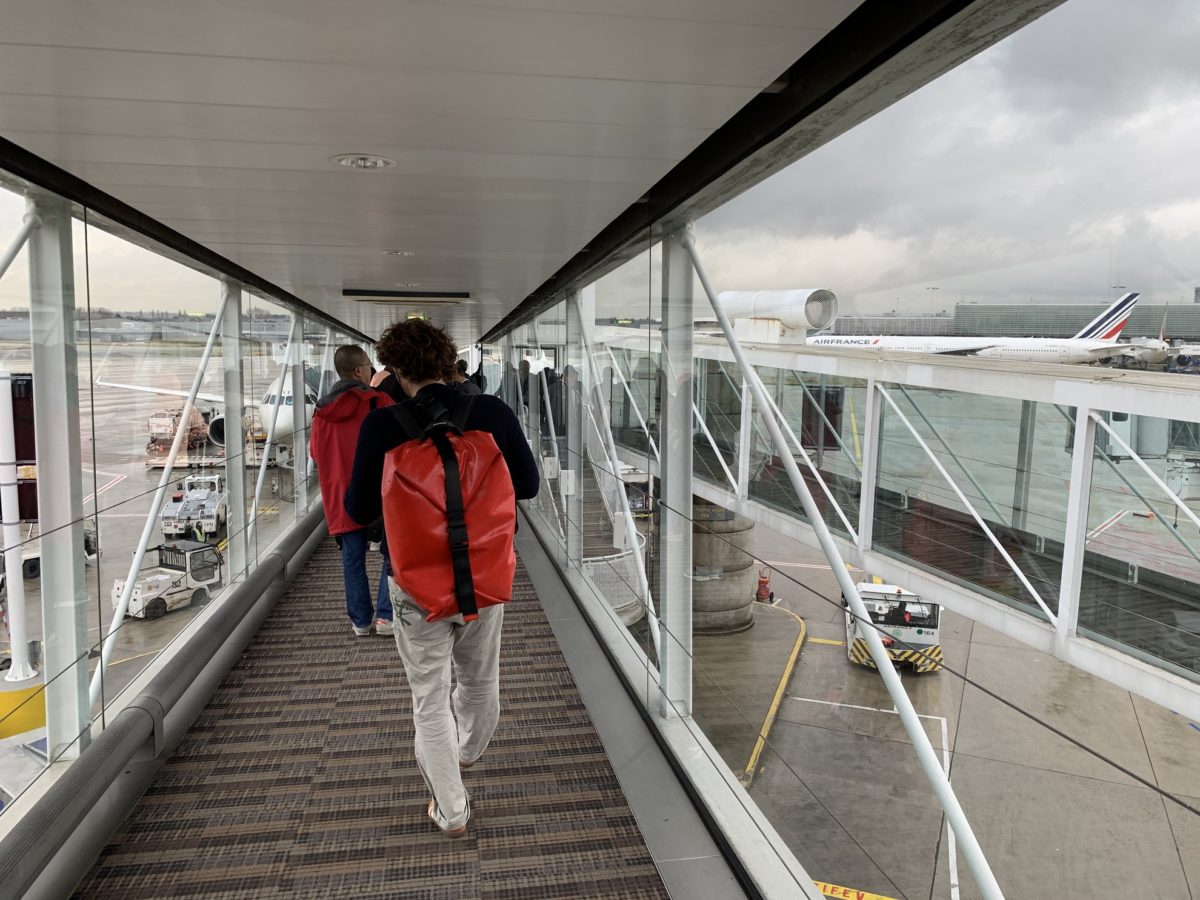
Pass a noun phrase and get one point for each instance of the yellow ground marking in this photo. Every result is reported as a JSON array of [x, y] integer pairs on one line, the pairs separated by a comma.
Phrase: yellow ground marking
[[854, 428], [827, 641], [764, 732], [844, 893], [117, 662], [21, 710], [223, 543]]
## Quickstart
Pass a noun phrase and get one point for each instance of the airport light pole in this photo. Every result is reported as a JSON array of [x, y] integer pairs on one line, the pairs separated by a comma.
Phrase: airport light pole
[[938, 777]]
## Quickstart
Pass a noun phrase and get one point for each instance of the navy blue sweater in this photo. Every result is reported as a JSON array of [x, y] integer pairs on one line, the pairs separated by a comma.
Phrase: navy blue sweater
[[380, 432]]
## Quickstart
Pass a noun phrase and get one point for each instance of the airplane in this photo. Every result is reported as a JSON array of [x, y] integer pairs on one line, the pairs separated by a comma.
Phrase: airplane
[[1095, 342], [1144, 352], [285, 424]]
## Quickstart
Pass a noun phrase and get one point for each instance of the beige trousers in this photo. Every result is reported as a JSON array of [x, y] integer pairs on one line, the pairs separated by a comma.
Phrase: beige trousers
[[453, 670]]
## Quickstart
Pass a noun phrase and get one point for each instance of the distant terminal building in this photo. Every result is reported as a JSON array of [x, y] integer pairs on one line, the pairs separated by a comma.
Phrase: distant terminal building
[[917, 326], [1065, 319]]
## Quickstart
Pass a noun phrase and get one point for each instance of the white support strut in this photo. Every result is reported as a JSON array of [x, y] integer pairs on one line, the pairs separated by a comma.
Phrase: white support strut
[[29, 222]]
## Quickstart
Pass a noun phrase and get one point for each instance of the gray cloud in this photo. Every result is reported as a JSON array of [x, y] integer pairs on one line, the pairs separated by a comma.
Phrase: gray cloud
[[1052, 166]]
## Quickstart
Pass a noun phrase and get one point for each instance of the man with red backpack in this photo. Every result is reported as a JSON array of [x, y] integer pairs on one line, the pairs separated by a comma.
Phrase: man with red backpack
[[445, 470], [335, 427]]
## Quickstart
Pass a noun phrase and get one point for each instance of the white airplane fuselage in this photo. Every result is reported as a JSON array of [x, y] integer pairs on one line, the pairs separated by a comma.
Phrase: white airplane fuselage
[[1056, 350]]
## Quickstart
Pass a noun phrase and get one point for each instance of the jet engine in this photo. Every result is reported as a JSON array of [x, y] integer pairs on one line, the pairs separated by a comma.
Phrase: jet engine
[[216, 430], [804, 309]]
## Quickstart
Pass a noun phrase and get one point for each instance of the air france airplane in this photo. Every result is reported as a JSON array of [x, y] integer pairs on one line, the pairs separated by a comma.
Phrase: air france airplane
[[1096, 342]]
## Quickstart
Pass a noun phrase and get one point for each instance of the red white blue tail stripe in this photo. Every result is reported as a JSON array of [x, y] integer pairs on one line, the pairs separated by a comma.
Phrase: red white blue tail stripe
[[1107, 325]]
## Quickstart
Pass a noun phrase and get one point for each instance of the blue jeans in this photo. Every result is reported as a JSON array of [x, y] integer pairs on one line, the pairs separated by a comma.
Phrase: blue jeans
[[353, 545]]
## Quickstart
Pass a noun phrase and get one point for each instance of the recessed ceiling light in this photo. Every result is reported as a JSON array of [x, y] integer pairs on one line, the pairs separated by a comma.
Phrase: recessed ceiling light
[[363, 161], [399, 252]]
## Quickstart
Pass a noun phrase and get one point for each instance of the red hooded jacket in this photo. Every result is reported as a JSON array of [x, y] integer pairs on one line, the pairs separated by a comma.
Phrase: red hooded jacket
[[332, 442]]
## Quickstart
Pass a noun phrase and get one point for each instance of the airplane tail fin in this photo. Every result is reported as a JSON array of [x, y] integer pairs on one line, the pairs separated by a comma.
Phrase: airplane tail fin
[[1107, 326]]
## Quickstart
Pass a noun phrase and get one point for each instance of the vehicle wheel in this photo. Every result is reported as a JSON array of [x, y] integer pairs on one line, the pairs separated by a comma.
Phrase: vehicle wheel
[[156, 609], [31, 569], [200, 597]]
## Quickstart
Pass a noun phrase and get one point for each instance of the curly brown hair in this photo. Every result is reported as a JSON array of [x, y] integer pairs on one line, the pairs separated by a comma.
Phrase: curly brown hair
[[417, 351]]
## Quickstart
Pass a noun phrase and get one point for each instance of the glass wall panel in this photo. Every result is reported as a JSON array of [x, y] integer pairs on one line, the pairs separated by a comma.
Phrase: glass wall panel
[[821, 416], [546, 411], [1141, 574], [616, 488], [272, 337], [948, 460], [149, 320]]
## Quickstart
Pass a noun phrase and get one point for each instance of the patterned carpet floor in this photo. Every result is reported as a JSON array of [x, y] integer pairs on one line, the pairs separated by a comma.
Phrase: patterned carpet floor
[[298, 780]]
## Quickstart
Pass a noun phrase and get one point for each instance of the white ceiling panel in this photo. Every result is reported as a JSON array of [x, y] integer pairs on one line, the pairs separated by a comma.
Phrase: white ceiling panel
[[520, 128]]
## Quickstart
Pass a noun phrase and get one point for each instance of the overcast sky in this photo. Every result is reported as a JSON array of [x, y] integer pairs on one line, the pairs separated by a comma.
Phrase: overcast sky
[[1051, 167]]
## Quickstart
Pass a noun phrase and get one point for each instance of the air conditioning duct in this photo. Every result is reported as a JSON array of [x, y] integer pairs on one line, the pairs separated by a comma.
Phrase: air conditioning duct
[[795, 311]]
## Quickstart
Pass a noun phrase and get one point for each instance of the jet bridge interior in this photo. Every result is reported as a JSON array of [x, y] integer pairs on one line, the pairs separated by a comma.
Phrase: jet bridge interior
[[218, 197]]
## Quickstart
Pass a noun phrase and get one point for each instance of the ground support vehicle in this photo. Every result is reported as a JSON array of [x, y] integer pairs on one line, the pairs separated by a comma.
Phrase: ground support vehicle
[[188, 573], [197, 510], [908, 627]]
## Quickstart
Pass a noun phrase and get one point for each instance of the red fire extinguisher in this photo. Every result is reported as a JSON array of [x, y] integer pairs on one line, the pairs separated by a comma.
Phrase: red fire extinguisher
[[764, 594]]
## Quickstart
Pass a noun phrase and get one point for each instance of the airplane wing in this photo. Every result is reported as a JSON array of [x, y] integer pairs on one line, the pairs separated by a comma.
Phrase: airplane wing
[[965, 351], [162, 392]]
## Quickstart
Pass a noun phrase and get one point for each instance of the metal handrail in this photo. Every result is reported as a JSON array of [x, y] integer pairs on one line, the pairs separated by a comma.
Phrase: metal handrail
[[33, 843]]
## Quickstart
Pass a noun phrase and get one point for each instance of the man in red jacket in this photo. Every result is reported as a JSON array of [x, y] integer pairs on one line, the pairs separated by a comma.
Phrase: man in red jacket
[[333, 440]]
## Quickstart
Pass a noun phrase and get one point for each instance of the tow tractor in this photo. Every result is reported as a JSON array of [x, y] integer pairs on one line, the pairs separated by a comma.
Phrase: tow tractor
[[196, 509], [907, 625], [188, 574]]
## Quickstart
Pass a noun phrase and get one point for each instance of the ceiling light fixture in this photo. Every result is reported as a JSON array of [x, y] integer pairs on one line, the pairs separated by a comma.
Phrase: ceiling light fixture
[[363, 161], [399, 252]]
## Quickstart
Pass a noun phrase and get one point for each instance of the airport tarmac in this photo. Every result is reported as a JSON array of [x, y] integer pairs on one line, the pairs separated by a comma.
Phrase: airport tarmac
[[840, 781], [118, 491]]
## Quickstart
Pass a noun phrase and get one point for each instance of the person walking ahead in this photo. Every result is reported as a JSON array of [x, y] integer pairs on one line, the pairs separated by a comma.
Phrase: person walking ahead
[[335, 427], [453, 727]]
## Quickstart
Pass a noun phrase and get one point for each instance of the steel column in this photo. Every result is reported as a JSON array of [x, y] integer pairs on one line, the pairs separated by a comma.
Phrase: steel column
[[60, 491], [572, 481], [872, 427], [299, 426], [1075, 535], [745, 440], [235, 426], [675, 470], [1020, 504]]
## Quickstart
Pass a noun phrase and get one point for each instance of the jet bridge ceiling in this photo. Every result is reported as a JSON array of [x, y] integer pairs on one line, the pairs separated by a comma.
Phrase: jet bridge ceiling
[[519, 128]]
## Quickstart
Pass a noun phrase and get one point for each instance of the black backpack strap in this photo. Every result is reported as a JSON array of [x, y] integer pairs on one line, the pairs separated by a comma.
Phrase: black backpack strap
[[462, 409], [464, 584], [413, 429]]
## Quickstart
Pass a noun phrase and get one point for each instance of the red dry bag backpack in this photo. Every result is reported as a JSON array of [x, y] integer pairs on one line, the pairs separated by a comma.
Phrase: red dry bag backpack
[[449, 512]]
